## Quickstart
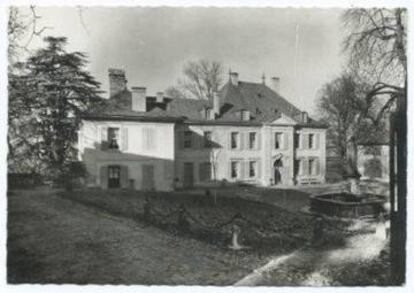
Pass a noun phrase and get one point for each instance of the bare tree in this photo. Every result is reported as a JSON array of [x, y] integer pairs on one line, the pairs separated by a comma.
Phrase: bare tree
[[201, 79], [377, 47], [343, 105]]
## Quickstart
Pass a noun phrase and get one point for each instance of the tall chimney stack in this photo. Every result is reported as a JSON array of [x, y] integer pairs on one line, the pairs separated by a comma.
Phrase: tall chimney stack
[[139, 99], [275, 84], [216, 104], [117, 81], [234, 78]]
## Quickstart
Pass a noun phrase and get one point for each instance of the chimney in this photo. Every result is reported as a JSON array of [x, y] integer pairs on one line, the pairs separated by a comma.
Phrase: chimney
[[276, 84], [216, 104], [234, 78], [117, 81], [305, 117], [139, 99], [160, 97]]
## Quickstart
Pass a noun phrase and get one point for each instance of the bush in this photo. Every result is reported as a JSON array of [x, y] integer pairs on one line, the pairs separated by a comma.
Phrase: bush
[[73, 174]]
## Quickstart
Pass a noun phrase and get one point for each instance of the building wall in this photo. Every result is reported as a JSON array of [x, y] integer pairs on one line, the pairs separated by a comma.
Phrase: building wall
[[265, 154], [220, 155], [304, 153], [133, 154], [167, 154]]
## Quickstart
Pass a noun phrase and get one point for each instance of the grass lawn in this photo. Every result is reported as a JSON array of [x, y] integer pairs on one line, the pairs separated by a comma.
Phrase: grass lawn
[[55, 240], [100, 237], [266, 228]]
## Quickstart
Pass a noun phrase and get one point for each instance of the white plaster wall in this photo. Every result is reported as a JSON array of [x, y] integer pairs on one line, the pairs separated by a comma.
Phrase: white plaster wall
[[221, 137], [319, 152], [134, 156]]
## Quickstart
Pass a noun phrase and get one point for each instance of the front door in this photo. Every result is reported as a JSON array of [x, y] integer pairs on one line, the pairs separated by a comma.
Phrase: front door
[[188, 175], [114, 177], [147, 177]]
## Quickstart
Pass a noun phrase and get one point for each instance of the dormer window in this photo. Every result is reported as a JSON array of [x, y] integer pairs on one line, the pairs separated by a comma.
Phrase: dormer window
[[209, 114], [245, 115]]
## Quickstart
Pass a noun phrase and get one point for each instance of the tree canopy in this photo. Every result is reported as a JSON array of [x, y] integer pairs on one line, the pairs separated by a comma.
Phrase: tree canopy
[[201, 79], [46, 99]]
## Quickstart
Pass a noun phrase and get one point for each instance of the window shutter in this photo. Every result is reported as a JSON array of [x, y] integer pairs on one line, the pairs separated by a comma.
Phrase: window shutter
[[305, 141], [229, 171], [124, 138], [285, 140], [124, 177], [317, 137], [259, 169], [305, 166], [201, 176], [259, 141], [317, 166], [242, 170], [104, 137], [103, 177], [229, 141], [242, 140]]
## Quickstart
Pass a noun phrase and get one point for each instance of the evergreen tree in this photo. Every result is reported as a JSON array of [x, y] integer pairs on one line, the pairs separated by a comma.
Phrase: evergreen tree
[[46, 101]]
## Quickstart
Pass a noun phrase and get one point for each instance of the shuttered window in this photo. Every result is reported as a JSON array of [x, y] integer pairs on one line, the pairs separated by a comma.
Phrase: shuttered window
[[205, 173], [234, 169], [208, 139], [252, 140], [252, 169], [311, 141], [113, 138], [188, 139], [234, 140], [278, 140], [148, 138]]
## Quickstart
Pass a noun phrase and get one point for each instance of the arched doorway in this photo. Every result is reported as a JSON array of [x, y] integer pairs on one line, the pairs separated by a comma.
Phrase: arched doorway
[[277, 167]]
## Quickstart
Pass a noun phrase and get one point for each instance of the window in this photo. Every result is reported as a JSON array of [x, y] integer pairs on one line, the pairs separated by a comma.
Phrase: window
[[114, 176], [278, 140], [205, 171], [311, 141], [245, 115], [252, 140], [252, 169], [297, 167], [113, 138], [207, 139], [235, 169], [312, 167], [234, 144], [209, 114], [148, 138], [297, 140], [188, 137]]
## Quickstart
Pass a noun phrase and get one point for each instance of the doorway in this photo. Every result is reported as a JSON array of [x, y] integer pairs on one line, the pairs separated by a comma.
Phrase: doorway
[[148, 177], [188, 175], [277, 168], [114, 176]]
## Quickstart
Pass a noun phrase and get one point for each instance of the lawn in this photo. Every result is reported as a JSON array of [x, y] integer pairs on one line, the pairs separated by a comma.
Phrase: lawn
[[102, 237], [264, 227], [56, 240]]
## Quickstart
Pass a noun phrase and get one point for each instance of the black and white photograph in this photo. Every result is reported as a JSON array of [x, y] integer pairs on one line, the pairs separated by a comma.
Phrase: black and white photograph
[[239, 145]]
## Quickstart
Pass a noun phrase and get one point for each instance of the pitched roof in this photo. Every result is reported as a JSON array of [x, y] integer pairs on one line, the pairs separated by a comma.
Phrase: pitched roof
[[264, 104]]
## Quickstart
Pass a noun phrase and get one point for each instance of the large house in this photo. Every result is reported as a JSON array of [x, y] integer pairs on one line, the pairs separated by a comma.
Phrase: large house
[[246, 133]]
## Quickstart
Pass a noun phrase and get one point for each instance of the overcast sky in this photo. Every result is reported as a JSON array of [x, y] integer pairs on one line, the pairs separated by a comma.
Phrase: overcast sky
[[152, 44]]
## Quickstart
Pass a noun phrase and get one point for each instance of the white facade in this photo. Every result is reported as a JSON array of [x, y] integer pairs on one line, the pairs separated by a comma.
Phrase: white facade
[[163, 156]]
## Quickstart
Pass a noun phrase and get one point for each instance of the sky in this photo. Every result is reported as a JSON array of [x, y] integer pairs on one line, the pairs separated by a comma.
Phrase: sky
[[301, 46]]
